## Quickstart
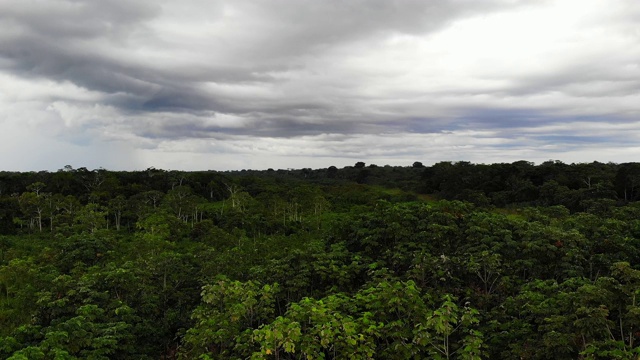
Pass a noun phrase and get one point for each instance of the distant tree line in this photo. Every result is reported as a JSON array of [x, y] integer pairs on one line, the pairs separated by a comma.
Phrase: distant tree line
[[39, 199]]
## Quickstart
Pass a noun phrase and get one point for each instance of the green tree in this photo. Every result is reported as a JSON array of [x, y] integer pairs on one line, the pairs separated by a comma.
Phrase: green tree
[[91, 217], [224, 320]]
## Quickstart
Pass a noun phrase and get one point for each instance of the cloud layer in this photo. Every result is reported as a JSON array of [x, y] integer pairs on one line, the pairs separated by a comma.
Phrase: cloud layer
[[255, 84]]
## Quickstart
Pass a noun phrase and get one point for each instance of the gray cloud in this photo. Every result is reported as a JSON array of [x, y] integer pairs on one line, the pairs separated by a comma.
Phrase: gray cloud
[[153, 73], [93, 44]]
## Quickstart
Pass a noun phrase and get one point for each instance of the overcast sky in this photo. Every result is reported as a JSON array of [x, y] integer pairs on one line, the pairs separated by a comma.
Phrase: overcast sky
[[256, 84]]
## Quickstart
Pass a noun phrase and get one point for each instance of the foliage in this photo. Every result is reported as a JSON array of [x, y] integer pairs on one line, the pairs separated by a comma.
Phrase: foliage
[[449, 261]]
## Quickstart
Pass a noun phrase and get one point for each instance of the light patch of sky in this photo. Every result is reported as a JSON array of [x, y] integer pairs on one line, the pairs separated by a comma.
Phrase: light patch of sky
[[519, 40]]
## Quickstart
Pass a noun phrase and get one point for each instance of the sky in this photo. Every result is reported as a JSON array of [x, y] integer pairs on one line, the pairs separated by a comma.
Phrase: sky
[[257, 84]]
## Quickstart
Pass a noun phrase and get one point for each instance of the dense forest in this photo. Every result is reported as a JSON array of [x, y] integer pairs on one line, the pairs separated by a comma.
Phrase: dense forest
[[450, 261]]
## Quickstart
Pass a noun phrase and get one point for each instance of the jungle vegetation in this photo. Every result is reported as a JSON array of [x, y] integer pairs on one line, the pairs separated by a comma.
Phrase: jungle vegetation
[[450, 261]]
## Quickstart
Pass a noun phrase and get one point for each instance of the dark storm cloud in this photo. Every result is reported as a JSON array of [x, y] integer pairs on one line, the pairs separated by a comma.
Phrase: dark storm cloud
[[62, 19], [299, 27], [93, 45], [87, 43]]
